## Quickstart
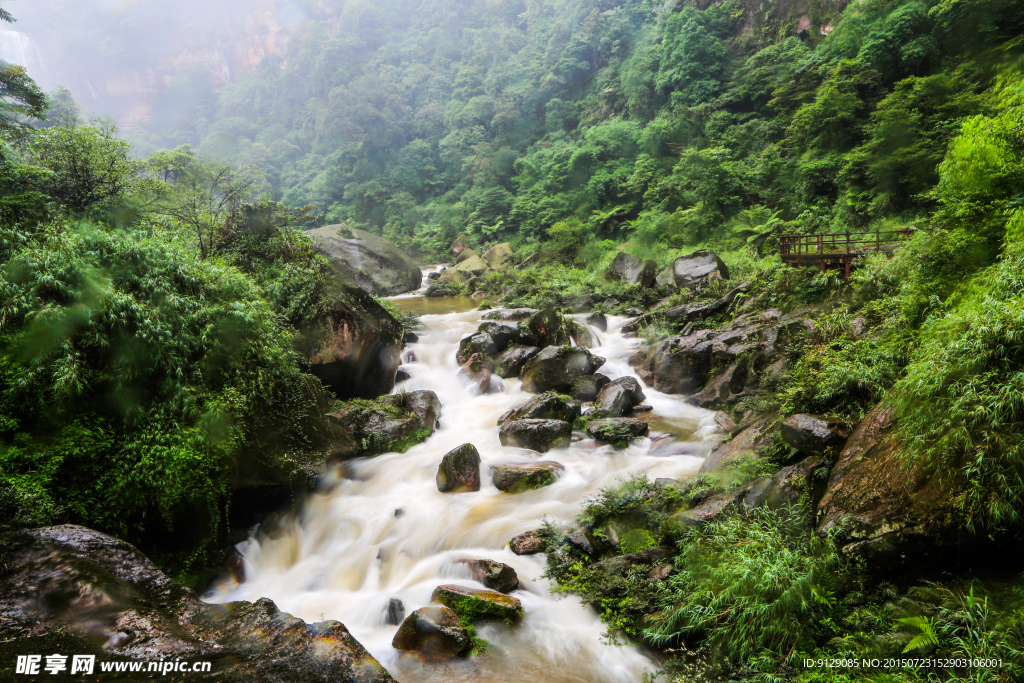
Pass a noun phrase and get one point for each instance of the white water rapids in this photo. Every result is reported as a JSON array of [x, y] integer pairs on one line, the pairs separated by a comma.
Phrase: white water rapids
[[379, 529]]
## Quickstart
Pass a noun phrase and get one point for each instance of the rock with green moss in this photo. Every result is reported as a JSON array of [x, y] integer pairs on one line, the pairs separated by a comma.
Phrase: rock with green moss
[[493, 575], [535, 434], [525, 476], [478, 371], [367, 261], [510, 362], [619, 566], [433, 633], [618, 431], [459, 471], [585, 389], [514, 314], [555, 368], [548, 327], [498, 257], [546, 406], [389, 424], [475, 604]]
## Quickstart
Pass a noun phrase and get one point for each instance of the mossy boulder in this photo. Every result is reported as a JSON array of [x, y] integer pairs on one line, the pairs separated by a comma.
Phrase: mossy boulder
[[618, 431], [548, 327], [475, 605], [635, 271], [556, 367], [367, 261], [546, 406], [510, 362], [524, 476], [493, 575], [389, 424], [694, 270], [434, 633], [459, 471], [812, 435], [586, 388], [510, 314], [535, 434], [498, 257]]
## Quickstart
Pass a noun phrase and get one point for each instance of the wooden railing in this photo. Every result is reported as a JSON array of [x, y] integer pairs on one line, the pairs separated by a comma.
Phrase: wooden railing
[[841, 242]]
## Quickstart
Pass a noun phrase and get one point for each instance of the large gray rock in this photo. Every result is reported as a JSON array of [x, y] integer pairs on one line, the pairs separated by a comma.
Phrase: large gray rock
[[812, 435], [433, 633], [459, 471], [474, 604], [535, 434], [556, 367], [69, 589], [366, 260], [510, 314], [694, 270], [613, 401], [524, 476], [527, 543], [618, 431], [510, 362], [392, 423], [478, 342], [546, 406], [633, 270], [587, 387], [494, 575], [548, 327]]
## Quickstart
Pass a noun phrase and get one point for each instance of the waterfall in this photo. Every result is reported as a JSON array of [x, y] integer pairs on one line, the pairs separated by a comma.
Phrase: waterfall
[[18, 48]]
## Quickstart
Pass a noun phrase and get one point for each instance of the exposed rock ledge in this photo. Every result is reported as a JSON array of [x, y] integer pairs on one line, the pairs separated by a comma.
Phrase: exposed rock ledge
[[72, 590]]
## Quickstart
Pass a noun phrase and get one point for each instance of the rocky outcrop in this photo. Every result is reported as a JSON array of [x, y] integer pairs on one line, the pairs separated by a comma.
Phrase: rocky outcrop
[[494, 575], [69, 589], [555, 368], [476, 605], [682, 318], [546, 406], [367, 261], [633, 270], [524, 476], [433, 633], [883, 508], [535, 434], [694, 270], [812, 435], [459, 471], [389, 424], [471, 266]]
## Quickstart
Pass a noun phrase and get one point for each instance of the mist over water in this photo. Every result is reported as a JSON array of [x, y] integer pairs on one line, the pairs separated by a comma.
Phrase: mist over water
[[379, 529]]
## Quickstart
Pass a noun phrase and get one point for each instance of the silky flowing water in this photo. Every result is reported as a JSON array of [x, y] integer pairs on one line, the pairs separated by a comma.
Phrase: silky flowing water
[[379, 529]]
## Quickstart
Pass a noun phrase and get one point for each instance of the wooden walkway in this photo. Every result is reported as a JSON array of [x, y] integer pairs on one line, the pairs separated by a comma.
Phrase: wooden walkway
[[839, 248]]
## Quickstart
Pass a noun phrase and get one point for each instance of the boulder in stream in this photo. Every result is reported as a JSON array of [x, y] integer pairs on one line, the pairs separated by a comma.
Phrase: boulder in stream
[[511, 314], [599, 320], [548, 327], [494, 575], [546, 406], [479, 370], [475, 604], [459, 471], [527, 543], [618, 431], [535, 434], [434, 633], [556, 367], [525, 476], [587, 387], [510, 362]]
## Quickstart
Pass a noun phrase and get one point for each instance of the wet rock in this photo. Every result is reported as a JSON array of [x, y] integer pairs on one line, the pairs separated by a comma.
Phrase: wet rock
[[478, 370], [494, 575], [633, 270], [556, 367], [636, 392], [619, 566], [478, 342], [613, 401], [503, 334], [424, 404], [510, 314], [743, 446], [535, 434], [434, 275], [585, 389], [580, 334], [410, 337], [395, 612], [548, 327], [498, 257], [618, 431], [459, 471], [439, 291], [434, 633], [577, 537], [598, 320], [546, 406], [474, 605], [234, 563], [366, 260], [694, 270], [510, 362], [812, 435], [889, 512], [524, 476], [683, 318], [402, 375], [74, 590], [528, 543], [392, 423]]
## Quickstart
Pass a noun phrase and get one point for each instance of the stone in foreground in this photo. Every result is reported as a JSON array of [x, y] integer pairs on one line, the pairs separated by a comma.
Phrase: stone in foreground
[[556, 367], [527, 543], [526, 476], [494, 575], [475, 604], [459, 471], [536, 434], [434, 633]]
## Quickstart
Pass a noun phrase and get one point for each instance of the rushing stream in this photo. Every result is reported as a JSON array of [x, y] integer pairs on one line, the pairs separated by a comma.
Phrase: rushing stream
[[379, 529]]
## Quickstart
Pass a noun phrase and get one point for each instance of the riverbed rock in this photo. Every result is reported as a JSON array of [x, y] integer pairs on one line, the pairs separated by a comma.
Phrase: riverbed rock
[[535, 434], [694, 270], [434, 633], [510, 362], [465, 255], [613, 401], [510, 314], [527, 543], [885, 510], [70, 589], [494, 575], [459, 471], [504, 333], [524, 476], [618, 431], [620, 565], [586, 388], [580, 334], [366, 260], [635, 271], [598, 320], [478, 371], [395, 614], [548, 327], [422, 403], [476, 605], [546, 406], [556, 367], [478, 342], [812, 435], [392, 423], [745, 445]]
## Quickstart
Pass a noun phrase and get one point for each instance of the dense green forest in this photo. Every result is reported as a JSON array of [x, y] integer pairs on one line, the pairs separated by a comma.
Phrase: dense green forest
[[157, 299]]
